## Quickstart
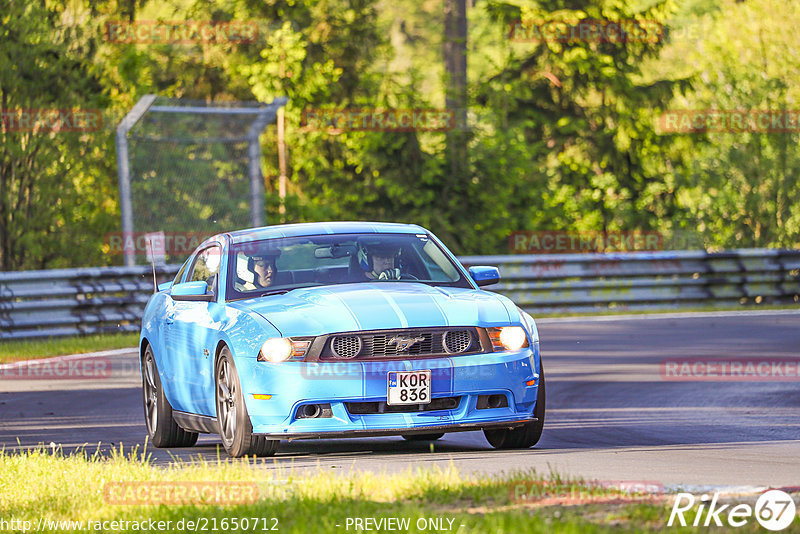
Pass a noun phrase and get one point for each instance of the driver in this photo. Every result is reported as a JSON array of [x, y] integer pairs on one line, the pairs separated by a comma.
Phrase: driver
[[263, 267], [380, 261]]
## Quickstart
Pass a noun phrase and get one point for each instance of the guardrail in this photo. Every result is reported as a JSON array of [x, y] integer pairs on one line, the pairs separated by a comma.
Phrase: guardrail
[[556, 283], [112, 299], [64, 302]]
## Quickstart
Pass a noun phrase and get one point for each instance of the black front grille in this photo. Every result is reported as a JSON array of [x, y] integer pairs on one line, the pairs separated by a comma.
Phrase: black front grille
[[401, 344], [457, 341], [369, 408], [346, 346], [381, 345]]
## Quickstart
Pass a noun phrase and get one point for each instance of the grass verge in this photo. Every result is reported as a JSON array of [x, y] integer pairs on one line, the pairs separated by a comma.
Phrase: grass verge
[[44, 486], [58, 346]]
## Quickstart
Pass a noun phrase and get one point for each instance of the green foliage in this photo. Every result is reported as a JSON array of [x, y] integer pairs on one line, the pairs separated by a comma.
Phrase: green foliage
[[561, 135], [53, 185], [741, 189], [580, 116]]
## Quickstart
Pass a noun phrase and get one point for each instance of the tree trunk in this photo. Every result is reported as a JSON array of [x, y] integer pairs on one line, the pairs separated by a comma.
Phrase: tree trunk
[[455, 63]]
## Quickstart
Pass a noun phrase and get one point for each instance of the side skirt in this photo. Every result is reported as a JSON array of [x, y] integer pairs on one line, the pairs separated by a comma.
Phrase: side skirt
[[196, 423]]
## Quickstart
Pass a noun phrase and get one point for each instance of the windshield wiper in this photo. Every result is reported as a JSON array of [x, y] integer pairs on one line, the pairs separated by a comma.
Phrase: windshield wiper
[[274, 292], [287, 289]]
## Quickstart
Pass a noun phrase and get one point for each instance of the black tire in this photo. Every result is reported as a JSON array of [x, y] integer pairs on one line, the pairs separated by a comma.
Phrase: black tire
[[525, 436], [162, 429], [423, 437], [235, 427]]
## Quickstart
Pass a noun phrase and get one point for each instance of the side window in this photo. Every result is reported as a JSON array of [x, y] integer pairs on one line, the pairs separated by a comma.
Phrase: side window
[[206, 267], [179, 276]]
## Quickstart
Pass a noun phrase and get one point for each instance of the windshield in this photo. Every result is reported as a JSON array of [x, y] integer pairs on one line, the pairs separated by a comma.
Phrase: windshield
[[280, 265]]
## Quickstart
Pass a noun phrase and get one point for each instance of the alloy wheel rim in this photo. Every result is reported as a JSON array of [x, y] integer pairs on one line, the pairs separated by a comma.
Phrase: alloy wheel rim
[[151, 394], [226, 402]]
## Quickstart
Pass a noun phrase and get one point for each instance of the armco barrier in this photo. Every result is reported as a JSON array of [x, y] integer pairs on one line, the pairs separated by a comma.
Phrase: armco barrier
[[112, 299], [65, 302], [646, 280]]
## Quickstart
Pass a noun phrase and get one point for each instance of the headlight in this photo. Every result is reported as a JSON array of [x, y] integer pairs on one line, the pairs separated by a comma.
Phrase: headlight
[[276, 349], [280, 349], [507, 338]]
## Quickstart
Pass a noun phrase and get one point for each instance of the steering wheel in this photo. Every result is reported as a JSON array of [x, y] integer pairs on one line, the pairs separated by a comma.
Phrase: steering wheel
[[407, 276]]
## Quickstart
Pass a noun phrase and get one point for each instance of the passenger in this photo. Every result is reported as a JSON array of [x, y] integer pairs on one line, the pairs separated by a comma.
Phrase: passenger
[[263, 266]]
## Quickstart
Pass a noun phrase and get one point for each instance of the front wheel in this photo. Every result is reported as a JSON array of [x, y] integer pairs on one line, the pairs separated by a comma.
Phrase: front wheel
[[162, 429], [235, 427], [525, 436]]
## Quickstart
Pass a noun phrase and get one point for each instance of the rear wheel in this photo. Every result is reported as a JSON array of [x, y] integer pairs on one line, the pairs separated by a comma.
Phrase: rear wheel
[[423, 437], [235, 427], [162, 429], [525, 436]]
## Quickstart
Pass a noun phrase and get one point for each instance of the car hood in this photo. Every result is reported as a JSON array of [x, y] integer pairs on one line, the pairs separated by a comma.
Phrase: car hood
[[363, 306]]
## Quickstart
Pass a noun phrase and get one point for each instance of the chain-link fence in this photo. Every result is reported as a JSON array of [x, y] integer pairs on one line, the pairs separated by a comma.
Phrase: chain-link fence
[[188, 169]]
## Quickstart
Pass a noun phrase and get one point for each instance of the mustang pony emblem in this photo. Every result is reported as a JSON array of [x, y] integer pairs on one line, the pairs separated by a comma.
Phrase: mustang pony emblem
[[404, 343]]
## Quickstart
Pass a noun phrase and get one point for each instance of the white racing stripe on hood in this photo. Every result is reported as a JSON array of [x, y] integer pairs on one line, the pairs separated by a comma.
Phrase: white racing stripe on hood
[[396, 308], [346, 307]]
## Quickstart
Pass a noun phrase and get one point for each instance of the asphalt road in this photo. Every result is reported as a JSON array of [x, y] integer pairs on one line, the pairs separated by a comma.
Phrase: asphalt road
[[612, 413]]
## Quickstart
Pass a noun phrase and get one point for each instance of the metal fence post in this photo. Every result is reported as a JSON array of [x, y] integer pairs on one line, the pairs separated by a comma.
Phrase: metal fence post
[[256, 181], [123, 168]]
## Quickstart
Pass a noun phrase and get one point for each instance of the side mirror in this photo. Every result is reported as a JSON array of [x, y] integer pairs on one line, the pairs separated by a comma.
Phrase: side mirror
[[191, 291], [484, 276]]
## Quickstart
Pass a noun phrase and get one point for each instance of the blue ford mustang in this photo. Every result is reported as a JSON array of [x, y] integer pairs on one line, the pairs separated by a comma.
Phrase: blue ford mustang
[[336, 330]]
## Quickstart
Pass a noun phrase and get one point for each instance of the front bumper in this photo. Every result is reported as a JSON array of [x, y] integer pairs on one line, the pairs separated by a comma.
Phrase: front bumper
[[294, 384], [462, 427]]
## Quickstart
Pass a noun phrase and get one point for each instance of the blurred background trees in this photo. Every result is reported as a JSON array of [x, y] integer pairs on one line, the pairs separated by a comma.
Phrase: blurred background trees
[[555, 135]]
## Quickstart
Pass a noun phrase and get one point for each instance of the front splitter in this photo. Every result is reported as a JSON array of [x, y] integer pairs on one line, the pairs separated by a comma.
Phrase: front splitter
[[461, 427]]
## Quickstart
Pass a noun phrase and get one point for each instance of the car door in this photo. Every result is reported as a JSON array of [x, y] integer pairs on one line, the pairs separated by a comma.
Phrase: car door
[[191, 334]]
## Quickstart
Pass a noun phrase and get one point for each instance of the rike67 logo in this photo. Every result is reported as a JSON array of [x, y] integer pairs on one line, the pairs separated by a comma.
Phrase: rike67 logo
[[774, 510]]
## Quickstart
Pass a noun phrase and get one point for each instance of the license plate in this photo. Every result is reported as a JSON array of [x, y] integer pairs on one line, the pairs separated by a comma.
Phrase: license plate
[[408, 387]]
